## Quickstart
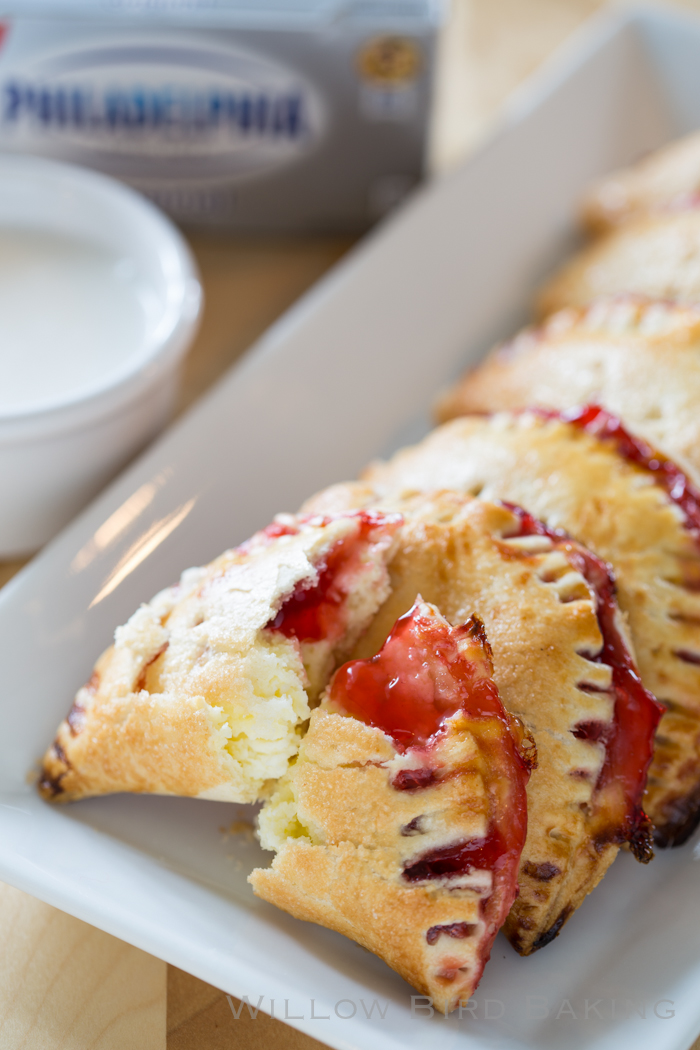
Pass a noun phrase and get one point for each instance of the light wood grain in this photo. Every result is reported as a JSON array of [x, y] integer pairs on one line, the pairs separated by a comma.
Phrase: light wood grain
[[9, 568], [201, 1017], [65, 985]]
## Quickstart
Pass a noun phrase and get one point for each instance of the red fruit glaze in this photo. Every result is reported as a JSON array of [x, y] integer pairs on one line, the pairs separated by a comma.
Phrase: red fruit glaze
[[677, 485], [629, 740], [425, 672], [458, 930], [475, 855], [418, 679], [316, 612]]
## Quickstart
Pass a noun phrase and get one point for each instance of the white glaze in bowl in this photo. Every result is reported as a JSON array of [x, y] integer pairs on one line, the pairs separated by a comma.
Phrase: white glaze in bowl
[[57, 450]]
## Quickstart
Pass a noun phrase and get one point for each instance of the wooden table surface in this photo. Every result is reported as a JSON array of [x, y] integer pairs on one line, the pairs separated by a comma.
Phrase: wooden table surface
[[65, 985]]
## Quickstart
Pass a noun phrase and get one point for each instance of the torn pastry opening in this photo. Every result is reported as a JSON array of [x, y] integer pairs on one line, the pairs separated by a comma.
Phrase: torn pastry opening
[[208, 688], [327, 610], [402, 821]]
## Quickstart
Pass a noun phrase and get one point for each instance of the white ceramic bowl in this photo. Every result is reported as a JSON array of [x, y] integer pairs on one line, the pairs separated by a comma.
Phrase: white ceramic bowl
[[56, 453]]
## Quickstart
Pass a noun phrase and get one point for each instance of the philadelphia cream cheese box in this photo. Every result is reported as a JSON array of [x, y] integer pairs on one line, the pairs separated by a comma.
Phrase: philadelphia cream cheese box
[[235, 114]]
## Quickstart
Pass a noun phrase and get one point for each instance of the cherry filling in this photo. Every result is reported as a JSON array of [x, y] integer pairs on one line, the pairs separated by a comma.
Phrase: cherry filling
[[629, 740], [418, 679], [687, 656], [426, 672], [597, 732], [458, 930], [315, 612], [475, 855], [409, 779], [677, 485]]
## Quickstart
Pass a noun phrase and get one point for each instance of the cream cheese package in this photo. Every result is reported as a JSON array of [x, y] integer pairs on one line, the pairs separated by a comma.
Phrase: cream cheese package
[[240, 114]]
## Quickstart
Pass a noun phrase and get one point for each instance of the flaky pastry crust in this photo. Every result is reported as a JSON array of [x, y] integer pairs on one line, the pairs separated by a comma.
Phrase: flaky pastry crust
[[639, 358], [574, 481], [657, 256]]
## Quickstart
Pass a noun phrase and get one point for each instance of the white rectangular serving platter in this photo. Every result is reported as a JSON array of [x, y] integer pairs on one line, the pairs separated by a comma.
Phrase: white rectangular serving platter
[[346, 375]]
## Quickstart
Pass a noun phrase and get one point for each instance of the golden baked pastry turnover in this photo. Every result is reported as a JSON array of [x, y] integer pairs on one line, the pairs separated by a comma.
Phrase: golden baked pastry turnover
[[206, 689], [561, 665], [402, 822], [634, 508], [668, 178], [406, 809], [656, 255], [641, 359]]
